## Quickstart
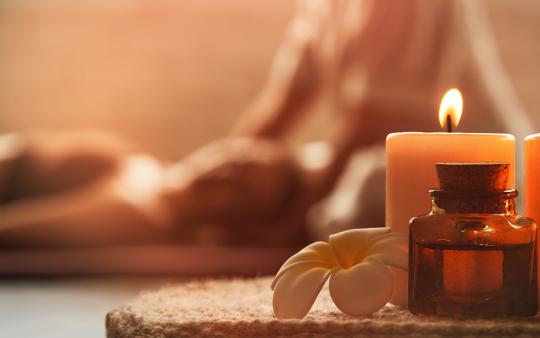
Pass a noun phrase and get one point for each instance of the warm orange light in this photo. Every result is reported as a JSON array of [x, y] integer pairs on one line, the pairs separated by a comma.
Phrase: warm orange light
[[450, 109]]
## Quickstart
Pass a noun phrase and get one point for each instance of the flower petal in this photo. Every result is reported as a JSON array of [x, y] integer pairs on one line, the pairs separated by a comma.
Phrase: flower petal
[[400, 294], [392, 249], [296, 290], [362, 289], [316, 254], [352, 246]]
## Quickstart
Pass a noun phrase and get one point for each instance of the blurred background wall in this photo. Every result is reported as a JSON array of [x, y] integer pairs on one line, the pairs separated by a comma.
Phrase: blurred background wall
[[172, 75]]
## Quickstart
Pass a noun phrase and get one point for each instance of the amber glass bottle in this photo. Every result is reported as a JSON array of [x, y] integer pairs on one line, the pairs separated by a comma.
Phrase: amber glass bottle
[[472, 256]]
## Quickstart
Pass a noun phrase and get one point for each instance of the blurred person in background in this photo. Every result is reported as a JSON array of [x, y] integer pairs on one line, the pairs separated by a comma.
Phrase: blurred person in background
[[377, 66]]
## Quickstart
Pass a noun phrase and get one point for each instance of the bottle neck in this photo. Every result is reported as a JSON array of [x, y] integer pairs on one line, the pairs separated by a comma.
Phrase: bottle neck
[[498, 202]]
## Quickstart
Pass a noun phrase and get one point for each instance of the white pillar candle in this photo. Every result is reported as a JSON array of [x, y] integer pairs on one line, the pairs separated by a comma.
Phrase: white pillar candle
[[410, 173], [532, 181]]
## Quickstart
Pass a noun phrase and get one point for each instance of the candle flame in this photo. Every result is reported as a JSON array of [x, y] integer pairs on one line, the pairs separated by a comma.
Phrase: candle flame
[[451, 106]]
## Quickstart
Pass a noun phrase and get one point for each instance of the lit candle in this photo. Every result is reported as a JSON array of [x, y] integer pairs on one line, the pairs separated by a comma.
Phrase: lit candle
[[532, 179], [410, 170]]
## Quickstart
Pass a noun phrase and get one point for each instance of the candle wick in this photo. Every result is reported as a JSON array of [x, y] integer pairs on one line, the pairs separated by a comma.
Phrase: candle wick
[[449, 123]]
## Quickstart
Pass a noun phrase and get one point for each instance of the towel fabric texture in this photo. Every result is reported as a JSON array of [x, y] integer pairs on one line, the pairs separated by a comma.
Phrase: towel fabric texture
[[243, 308]]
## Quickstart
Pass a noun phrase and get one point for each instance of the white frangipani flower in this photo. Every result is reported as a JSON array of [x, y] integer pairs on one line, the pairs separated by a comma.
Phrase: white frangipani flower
[[355, 261]]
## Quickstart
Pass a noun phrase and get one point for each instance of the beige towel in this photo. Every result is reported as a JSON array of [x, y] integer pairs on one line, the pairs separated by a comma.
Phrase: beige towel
[[243, 308]]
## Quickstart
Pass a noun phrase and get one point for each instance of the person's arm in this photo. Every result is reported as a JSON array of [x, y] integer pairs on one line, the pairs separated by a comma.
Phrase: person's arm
[[291, 87]]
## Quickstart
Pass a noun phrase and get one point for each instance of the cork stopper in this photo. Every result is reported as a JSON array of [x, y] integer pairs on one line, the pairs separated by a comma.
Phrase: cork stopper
[[473, 177]]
